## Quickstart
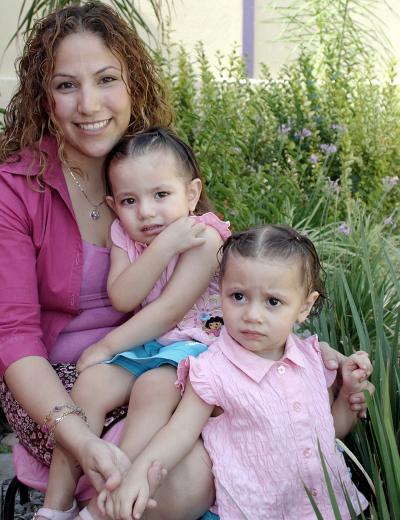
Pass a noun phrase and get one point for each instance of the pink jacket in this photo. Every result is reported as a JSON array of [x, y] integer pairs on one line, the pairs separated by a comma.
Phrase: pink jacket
[[40, 259]]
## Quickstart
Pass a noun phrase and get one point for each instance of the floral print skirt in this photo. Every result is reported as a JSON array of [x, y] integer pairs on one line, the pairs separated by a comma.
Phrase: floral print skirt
[[28, 432]]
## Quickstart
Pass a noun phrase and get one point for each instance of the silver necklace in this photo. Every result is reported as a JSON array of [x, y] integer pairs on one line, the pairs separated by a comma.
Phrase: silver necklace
[[94, 212]]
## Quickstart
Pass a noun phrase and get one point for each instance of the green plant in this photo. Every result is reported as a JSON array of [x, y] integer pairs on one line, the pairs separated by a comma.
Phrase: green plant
[[364, 312], [33, 9], [293, 146]]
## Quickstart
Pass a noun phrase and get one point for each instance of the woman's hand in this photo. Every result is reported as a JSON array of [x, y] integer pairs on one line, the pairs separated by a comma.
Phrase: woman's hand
[[103, 463], [134, 494], [334, 360]]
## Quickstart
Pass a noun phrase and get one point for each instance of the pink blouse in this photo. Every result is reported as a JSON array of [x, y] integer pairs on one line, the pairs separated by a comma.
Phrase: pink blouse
[[264, 447], [194, 323]]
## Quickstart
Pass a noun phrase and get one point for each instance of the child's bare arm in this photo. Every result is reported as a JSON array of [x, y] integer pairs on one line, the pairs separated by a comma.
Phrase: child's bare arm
[[190, 279], [129, 283], [169, 446], [355, 372]]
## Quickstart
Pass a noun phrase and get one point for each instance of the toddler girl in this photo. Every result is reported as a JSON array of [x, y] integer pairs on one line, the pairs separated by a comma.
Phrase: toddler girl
[[259, 395], [163, 265]]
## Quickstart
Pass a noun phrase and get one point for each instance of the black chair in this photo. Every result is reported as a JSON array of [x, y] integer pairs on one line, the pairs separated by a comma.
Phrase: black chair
[[8, 505]]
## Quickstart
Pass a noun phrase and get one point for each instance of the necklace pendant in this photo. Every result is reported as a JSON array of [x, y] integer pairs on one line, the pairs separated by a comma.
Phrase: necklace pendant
[[95, 214]]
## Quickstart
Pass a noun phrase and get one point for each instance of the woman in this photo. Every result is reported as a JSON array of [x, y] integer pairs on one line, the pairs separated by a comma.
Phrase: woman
[[85, 81]]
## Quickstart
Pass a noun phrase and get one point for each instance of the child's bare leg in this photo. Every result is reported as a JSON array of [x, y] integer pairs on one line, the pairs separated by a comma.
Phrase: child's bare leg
[[153, 400], [98, 390]]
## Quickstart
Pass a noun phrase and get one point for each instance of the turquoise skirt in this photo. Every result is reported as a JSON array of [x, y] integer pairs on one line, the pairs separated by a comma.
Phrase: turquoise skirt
[[209, 516], [153, 355]]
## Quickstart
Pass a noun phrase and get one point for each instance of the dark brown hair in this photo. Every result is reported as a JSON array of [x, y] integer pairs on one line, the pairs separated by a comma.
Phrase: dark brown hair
[[153, 140], [281, 242], [29, 115]]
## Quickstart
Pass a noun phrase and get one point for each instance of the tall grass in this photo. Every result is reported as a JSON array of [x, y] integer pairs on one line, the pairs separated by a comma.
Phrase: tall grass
[[364, 292]]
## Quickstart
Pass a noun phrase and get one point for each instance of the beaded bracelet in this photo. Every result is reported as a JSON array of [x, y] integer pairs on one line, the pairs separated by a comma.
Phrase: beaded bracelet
[[69, 410], [74, 411], [56, 409]]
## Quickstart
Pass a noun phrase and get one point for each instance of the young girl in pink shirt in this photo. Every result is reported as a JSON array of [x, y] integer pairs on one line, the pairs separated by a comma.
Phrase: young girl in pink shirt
[[165, 248], [260, 395]]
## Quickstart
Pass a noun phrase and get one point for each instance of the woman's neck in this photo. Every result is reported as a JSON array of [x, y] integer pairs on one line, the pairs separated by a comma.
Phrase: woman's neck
[[91, 168]]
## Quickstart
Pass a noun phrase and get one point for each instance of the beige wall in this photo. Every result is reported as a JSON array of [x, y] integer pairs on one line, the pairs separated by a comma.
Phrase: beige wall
[[218, 23], [269, 50]]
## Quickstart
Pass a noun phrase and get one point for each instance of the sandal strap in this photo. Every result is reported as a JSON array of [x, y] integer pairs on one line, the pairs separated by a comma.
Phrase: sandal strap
[[55, 514]]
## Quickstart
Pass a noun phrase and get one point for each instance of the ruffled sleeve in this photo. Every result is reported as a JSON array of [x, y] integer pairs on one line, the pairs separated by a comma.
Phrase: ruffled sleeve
[[118, 236], [197, 371], [220, 225]]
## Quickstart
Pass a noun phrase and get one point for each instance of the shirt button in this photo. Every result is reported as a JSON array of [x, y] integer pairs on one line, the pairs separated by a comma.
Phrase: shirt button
[[314, 492], [281, 369], [297, 406], [307, 452]]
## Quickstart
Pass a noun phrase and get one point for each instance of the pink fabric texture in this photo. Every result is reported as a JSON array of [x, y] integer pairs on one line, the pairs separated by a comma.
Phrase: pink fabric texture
[[194, 324], [265, 444], [37, 232], [97, 317]]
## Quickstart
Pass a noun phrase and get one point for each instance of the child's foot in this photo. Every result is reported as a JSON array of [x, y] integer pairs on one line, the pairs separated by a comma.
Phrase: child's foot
[[155, 477]]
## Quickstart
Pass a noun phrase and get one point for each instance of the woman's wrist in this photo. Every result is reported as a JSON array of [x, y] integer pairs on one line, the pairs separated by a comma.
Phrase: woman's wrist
[[73, 433], [57, 415]]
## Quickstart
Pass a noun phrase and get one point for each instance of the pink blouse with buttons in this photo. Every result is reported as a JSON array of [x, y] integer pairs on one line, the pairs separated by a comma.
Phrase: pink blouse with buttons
[[264, 447]]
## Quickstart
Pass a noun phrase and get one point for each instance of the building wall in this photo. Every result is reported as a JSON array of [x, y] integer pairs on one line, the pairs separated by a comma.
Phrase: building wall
[[270, 49], [217, 23]]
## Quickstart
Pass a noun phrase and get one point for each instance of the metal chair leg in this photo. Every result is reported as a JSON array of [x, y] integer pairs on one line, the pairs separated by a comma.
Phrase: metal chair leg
[[9, 500]]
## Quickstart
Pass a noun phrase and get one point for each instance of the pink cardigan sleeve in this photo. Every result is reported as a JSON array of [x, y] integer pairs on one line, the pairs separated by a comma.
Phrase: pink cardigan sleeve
[[20, 330]]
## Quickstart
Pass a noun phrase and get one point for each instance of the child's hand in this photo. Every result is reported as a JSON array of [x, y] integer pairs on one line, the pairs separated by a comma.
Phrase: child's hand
[[132, 497], [93, 355], [183, 234], [356, 370]]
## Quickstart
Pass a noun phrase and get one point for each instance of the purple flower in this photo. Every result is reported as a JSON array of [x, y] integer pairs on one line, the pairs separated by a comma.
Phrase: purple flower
[[313, 159], [284, 129], [344, 229], [339, 128], [390, 182], [305, 132], [328, 148], [389, 222]]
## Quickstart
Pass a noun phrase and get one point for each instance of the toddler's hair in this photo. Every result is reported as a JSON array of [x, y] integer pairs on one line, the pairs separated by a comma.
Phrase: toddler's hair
[[155, 139], [279, 242]]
